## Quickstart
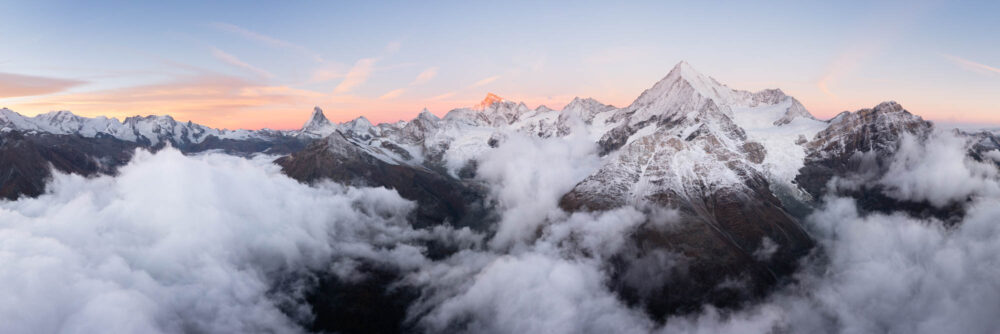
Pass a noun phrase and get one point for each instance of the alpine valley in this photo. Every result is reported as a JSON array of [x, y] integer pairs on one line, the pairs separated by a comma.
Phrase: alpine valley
[[720, 181]]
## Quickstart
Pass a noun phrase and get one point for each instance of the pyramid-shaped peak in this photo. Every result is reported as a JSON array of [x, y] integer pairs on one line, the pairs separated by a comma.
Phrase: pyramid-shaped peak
[[688, 73], [682, 79], [316, 121], [682, 64], [318, 117]]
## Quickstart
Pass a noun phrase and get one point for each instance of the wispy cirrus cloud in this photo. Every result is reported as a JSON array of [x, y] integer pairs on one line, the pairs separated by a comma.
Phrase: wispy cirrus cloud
[[973, 66], [267, 40], [442, 96], [421, 78], [463, 91], [235, 61], [356, 76], [425, 76], [215, 100], [18, 85], [880, 32], [327, 72], [392, 94], [485, 81]]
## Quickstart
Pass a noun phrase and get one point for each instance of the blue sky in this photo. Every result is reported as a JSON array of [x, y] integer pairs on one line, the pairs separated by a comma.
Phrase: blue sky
[[235, 64]]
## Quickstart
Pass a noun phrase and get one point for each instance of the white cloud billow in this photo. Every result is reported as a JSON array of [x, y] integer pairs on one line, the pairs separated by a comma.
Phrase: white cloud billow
[[182, 244], [938, 171], [876, 273], [892, 273], [194, 244]]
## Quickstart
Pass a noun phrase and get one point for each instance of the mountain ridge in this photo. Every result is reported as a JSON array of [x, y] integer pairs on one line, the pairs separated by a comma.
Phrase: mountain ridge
[[739, 168]]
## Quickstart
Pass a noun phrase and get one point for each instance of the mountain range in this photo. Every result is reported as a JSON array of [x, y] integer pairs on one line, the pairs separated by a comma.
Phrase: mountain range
[[738, 169]]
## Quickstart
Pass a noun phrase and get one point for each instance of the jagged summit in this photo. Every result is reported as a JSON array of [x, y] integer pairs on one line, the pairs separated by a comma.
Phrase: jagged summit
[[877, 128], [889, 106], [489, 101], [885, 112]]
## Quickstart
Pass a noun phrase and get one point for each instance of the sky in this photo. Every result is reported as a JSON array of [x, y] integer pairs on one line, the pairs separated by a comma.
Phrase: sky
[[236, 65]]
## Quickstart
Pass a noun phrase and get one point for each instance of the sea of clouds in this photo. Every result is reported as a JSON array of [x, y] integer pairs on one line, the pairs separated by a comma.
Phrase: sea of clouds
[[179, 243]]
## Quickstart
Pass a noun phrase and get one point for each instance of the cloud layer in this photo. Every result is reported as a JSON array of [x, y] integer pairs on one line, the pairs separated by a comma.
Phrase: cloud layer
[[938, 171], [196, 243], [183, 244]]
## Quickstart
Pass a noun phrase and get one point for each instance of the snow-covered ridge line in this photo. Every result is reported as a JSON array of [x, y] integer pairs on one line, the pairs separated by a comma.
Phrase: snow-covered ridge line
[[679, 98], [153, 129]]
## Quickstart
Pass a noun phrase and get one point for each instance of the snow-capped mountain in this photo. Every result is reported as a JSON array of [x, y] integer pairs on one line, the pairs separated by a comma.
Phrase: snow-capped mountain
[[318, 125], [152, 130], [735, 165], [735, 133]]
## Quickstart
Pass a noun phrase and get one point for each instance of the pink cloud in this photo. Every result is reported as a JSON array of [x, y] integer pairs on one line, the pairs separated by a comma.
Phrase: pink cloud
[[233, 60], [356, 76], [18, 85]]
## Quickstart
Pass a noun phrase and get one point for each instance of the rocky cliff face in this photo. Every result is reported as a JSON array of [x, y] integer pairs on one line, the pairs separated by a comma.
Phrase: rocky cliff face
[[854, 152]]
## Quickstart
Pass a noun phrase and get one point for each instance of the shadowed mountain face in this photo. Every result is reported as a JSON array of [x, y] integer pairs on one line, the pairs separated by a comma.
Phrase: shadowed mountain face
[[60, 140], [27, 160], [440, 198]]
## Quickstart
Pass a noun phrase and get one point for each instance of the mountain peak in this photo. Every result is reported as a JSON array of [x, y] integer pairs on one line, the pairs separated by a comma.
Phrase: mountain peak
[[686, 72], [318, 123], [361, 121], [317, 113], [683, 64], [489, 100], [889, 106], [317, 118], [680, 83], [427, 115], [59, 113]]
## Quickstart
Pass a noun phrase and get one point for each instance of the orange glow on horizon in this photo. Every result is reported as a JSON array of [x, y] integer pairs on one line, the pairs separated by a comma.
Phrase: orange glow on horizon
[[233, 104]]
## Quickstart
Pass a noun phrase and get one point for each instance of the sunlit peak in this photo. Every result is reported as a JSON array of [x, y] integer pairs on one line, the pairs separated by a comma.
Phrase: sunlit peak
[[489, 100]]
